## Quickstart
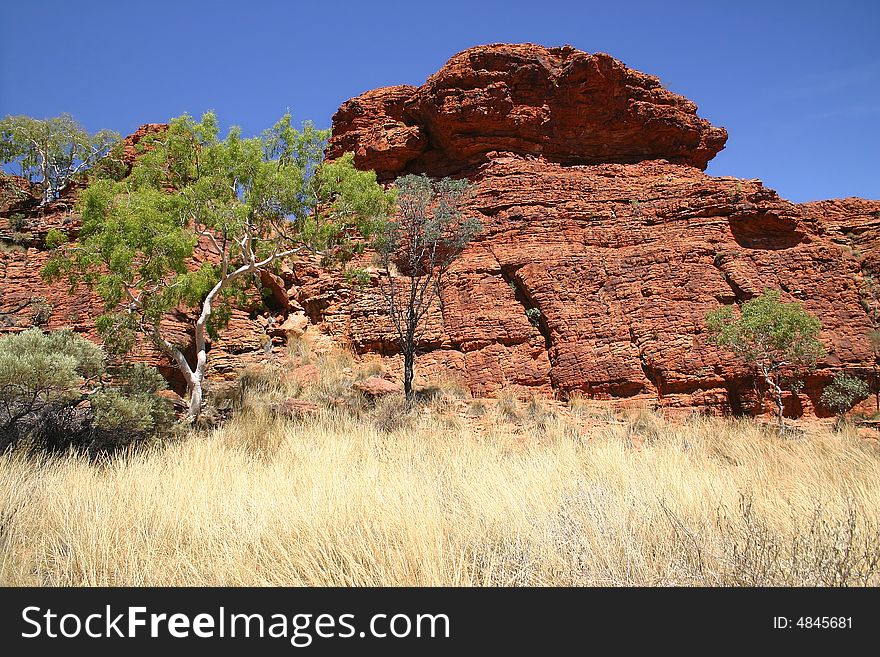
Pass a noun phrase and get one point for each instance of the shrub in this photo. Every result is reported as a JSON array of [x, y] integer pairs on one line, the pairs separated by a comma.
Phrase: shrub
[[534, 316], [133, 406], [40, 375], [53, 396], [17, 222], [843, 393], [477, 408]]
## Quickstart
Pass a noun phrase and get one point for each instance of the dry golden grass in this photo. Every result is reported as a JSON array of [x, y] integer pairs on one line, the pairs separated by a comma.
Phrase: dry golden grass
[[517, 495]]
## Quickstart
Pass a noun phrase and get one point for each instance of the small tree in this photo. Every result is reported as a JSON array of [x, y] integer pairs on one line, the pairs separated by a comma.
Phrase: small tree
[[50, 152], [776, 339], [250, 202], [415, 250], [874, 339], [842, 394]]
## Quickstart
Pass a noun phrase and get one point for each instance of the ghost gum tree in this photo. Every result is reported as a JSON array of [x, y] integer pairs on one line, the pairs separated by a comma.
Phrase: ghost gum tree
[[51, 152], [255, 201]]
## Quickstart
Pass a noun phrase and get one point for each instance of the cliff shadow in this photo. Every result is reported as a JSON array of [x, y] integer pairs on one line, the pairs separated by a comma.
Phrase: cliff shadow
[[765, 231]]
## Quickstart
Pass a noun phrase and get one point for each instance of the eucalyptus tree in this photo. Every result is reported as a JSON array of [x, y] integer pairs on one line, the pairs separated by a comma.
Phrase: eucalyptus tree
[[250, 203], [776, 339], [50, 152]]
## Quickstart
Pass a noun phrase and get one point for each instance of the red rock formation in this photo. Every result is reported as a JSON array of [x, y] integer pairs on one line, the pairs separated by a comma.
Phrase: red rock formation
[[376, 386], [596, 214], [622, 259], [130, 143], [559, 103], [623, 262], [854, 224]]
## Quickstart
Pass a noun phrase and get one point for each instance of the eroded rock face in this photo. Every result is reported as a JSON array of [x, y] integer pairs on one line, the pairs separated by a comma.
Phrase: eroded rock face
[[622, 263], [562, 104], [597, 277], [604, 244]]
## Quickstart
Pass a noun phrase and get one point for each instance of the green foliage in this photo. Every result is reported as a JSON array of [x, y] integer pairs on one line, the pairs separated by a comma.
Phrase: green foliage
[[768, 332], [843, 393], [133, 408], [354, 205], [17, 222], [46, 377], [777, 339], [421, 241], [55, 238], [18, 226], [111, 166], [46, 366], [534, 316], [249, 200], [22, 239], [357, 276], [40, 370], [430, 230], [737, 192], [116, 412], [51, 152]]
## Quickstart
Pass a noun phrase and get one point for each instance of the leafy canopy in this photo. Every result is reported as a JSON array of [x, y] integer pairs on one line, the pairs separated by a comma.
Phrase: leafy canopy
[[429, 230], [843, 393], [39, 368], [767, 332], [246, 200], [49, 152]]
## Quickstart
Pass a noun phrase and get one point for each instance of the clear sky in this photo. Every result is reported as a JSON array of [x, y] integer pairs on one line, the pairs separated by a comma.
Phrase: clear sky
[[796, 84]]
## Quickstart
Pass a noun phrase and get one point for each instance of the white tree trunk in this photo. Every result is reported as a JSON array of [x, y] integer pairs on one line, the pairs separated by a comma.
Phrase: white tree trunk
[[777, 397], [196, 397], [195, 377]]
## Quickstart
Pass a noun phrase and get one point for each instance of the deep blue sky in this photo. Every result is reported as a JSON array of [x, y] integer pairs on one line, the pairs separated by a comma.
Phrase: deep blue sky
[[797, 84]]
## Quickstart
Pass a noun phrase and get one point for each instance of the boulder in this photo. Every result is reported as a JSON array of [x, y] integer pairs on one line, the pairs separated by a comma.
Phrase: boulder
[[375, 386]]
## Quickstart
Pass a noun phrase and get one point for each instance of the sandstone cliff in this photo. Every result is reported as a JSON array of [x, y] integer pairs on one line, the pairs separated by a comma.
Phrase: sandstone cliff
[[597, 213], [562, 104], [598, 220]]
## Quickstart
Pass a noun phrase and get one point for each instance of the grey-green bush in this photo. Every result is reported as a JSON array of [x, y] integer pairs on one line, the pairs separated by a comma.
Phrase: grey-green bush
[[53, 396], [843, 393], [41, 372]]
